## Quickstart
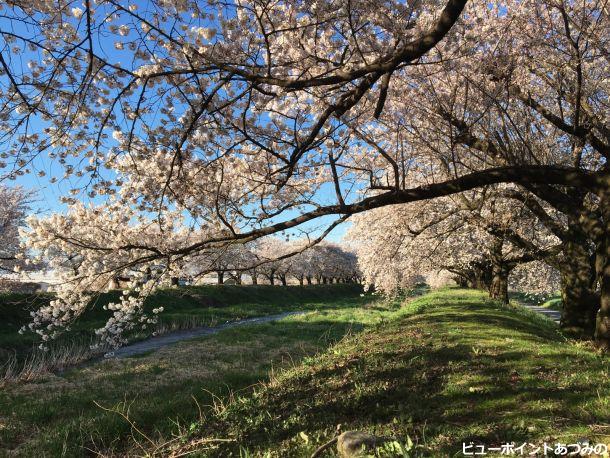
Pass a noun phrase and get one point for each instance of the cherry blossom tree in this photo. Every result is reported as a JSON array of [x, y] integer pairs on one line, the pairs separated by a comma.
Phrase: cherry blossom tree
[[334, 264], [531, 89], [14, 205], [206, 125], [228, 260], [326, 263], [478, 237], [303, 266]]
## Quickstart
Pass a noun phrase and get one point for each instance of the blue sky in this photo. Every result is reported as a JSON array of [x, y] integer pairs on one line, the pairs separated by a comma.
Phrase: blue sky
[[48, 194]]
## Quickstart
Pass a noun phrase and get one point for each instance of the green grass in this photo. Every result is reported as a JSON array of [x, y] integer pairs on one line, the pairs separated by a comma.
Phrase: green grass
[[184, 307], [448, 368], [552, 302], [444, 368], [59, 414]]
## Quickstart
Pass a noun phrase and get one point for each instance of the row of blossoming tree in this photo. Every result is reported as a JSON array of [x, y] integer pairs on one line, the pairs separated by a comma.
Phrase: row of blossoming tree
[[196, 126], [275, 260], [479, 243], [14, 206]]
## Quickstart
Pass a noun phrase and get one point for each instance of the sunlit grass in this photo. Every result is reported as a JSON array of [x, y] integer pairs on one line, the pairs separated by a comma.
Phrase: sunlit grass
[[448, 368], [442, 369], [185, 308], [165, 390]]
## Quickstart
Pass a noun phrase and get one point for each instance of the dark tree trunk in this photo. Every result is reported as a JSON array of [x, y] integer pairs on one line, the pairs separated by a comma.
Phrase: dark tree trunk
[[308, 280], [602, 325], [254, 277], [174, 281], [580, 301], [499, 283], [272, 279], [221, 277], [577, 269], [283, 279], [238, 278], [483, 278], [478, 275], [301, 281], [461, 281]]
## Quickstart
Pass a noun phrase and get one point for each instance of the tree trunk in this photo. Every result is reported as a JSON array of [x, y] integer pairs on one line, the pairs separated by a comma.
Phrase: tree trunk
[[272, 279], [254, 279], [238, 278], [308, 280], [221, 277], [498, 280], [578, 268], [602, 324], [483, 278], [301, 281], [580, 302], [461, 281], [499, 283], [478, 275], [283, 280]]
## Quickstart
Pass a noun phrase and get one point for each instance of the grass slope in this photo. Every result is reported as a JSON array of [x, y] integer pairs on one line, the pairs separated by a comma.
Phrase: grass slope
[[59, 415], [442, 369], [449, 367], [552, 302], [184, 307]]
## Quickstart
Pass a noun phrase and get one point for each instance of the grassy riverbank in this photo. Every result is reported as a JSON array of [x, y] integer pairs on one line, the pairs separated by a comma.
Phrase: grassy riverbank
[[449, 368]]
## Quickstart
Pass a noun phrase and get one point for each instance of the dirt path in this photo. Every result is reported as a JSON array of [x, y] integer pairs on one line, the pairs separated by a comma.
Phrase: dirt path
[[154, 343]]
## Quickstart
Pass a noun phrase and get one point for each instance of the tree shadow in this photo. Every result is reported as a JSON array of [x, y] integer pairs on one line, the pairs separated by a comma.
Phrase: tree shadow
[[458, 373]]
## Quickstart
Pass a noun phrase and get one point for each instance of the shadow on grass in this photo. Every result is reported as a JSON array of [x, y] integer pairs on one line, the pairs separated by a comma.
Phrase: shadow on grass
[[452, 368], [458, 373]]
